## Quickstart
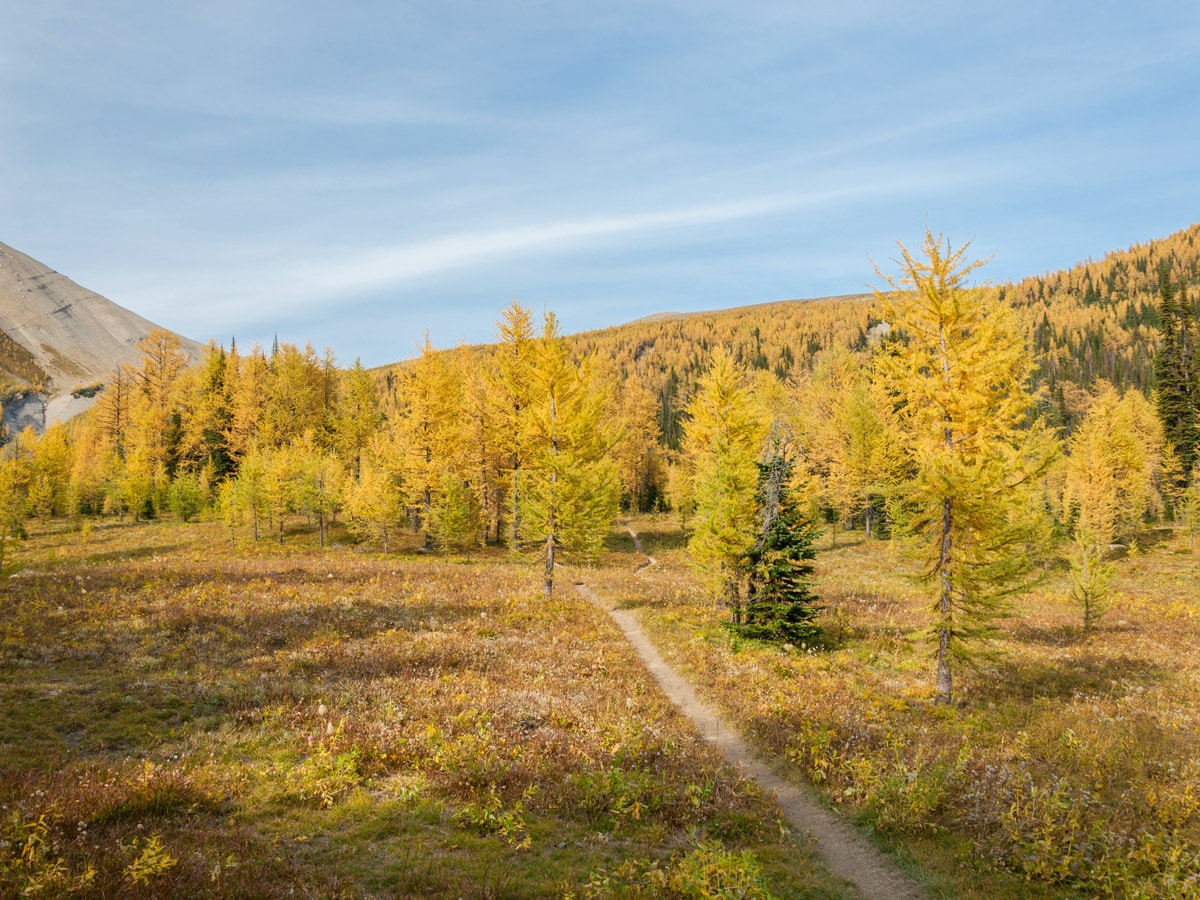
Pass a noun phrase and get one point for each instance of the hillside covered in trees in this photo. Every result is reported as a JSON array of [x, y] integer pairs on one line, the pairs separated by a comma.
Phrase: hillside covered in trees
[[1094, 321]]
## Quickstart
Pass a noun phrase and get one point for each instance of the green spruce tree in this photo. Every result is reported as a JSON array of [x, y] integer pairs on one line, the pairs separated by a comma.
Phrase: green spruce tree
[[1177, 372], [780, 605]]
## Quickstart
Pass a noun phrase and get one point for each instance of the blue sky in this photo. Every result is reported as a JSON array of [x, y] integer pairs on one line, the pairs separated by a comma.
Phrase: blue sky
[[354, 174]]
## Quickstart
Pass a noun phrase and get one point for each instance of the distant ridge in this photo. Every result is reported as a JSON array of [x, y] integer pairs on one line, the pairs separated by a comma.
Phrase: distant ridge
[[56, 337], [749, 307], [1094, 322]]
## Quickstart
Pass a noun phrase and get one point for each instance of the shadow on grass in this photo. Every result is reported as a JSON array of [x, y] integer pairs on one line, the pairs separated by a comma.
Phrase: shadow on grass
[[132, 553], [1049, 635], [654, 540], [1024, 680]]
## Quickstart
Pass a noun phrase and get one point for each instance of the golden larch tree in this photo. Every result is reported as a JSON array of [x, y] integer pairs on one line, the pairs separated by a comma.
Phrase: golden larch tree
[[723, 439], [972, 511]]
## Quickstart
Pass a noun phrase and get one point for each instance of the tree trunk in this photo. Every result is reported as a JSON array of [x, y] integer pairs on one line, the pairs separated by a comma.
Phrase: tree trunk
[[549, 586], [426, 508], [869, 518], [735, 598], [943, 694], [516, 506]]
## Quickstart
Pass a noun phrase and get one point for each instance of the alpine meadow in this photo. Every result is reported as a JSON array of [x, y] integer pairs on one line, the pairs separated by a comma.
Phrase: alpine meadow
[[272, 625]]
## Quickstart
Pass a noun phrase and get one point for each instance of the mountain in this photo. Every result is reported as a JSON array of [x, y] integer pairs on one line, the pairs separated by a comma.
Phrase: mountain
[[57, 337]]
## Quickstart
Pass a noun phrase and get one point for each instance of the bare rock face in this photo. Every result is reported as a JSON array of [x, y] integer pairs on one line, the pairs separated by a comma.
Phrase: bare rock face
[[22, 410], [56, 337]]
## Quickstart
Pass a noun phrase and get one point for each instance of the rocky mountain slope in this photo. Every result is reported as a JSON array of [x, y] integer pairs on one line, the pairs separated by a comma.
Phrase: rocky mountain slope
[[57, 337]]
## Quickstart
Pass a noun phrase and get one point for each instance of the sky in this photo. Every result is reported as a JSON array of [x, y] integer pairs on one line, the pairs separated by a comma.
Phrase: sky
[[358, 174]]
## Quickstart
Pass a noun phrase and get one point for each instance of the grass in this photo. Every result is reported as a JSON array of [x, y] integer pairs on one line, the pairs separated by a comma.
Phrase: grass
[[1069, 765], [179, 718]]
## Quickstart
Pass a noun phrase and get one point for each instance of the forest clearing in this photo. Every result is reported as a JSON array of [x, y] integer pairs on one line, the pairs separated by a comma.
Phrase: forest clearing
[[700, 451], [273, 625], [180, 719]]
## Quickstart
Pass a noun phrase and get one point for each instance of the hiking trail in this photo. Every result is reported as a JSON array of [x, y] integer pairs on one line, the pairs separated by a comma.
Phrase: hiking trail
[[846, 853]]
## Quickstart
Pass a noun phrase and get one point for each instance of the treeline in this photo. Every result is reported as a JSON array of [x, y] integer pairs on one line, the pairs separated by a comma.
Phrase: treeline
[[536, 439], [528, 451]]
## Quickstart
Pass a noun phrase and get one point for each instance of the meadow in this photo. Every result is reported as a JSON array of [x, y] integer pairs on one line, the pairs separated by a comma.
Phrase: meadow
[[1069, 764], [180, 716]]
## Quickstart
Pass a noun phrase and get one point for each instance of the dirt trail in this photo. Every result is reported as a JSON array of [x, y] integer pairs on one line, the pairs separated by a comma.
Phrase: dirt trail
[[846, 853], [637, 545]]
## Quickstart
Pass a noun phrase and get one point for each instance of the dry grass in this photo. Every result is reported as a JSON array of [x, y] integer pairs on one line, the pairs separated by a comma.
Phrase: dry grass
[[183, 720], [1070, 762]]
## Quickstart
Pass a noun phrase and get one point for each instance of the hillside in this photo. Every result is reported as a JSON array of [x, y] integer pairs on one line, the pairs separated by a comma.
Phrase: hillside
[[1095, 320], [56, 336]]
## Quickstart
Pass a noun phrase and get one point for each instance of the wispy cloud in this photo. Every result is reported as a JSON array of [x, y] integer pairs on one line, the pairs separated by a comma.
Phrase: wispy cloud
[[407, 262], [220, 164]]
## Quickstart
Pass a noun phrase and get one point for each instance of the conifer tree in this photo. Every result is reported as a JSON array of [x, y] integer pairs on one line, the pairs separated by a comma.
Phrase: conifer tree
[[1177, 372], [868, 459], [229, 511], [293, 399], [454, 518], [317, 483], [1189, 505], [279, 486], [971, 512], [154, 423], [111, 410], [509, 391], [249, 376], [93, 458], [1115, 465], [1090, 501], [484, 460], [356, 417], [185, 496], [571, 482], [638, 455], [849, 434], [49, 466], [14, 499], [137, 485], [251, 488], [723, 437], [206, 411], [375, 503], [430, 427], [780, 605]]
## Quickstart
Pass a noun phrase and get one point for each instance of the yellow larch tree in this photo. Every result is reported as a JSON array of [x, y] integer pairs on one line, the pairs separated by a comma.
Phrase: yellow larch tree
[[430, 428], [972, 511], [356, 417], [154, 426], [1090, 497], [572, 485], [248, 379], [509, 384], [723, 439], [293, 399], [639, 457]]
